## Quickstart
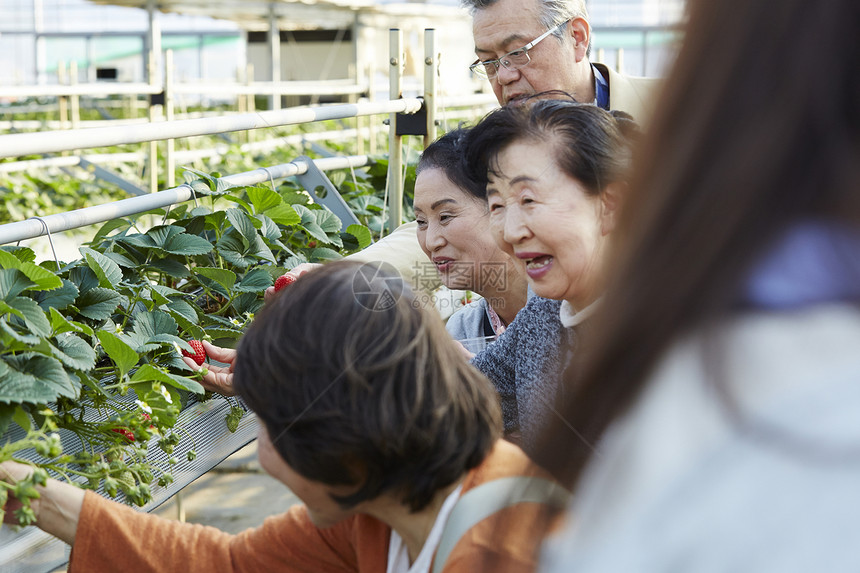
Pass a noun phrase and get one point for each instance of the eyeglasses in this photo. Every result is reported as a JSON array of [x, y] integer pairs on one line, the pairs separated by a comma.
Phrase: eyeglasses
[[512, 60]]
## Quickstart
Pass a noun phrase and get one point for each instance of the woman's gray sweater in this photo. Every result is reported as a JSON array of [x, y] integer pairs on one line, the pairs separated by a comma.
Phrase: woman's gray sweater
[[525, 364]]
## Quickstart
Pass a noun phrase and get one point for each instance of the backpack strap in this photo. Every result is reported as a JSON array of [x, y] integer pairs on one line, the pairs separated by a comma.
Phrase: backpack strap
[[483, 501]]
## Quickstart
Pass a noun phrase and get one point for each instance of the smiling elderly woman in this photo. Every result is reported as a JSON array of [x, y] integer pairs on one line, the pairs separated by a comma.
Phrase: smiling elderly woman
[[554, 172], [454, 233]]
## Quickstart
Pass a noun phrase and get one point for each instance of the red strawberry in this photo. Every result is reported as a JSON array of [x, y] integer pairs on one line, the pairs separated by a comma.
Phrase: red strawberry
[[125, 432], [283, 281], [199, 354]]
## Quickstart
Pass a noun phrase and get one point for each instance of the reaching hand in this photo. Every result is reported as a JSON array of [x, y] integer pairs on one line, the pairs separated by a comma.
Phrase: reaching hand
[[218, 378], [464, 351], [12, 473]]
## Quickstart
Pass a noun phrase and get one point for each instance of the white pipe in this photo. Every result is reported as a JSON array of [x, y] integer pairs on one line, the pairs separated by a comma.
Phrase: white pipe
[[97, 89], [323, 87], [468, 100], [181, 155], [263, 174], [31, 228], [20, 144]]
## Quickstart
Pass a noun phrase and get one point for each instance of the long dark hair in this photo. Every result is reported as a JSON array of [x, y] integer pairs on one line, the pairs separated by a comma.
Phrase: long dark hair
[[758, 129], [357, 385]]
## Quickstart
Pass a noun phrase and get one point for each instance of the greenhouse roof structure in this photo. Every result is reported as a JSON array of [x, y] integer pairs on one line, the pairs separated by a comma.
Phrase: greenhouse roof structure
[[254, 15]]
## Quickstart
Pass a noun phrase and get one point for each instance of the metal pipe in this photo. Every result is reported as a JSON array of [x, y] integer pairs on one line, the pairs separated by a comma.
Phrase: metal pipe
[[19, 144], [323, 87], [274, 55], [181, 155], [395, 150], [32, 228], [431, 64], [170, 148]]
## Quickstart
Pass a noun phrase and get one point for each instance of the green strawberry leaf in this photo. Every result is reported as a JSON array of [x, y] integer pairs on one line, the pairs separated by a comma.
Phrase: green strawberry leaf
[[58, 298], [225, 278], [361, 234], [170, 267], [284, 214], [23, 254], [33, 316], [121, 353], [149, 373], [187, 245], [105, 229], [75, 353], [107, 271], [20, 417], [242, 223], [256, 280], [183, 309], [60, 324], [236, 199], [243, 254], [268, 228], [263, 198], [13, 282], [34, 379], [325, 254], [121, 260], [151, 324], [98, 303]]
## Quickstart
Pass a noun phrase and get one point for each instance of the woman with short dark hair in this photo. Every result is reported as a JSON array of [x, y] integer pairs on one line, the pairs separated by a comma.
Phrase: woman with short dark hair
[[373, 419], [453, 231]]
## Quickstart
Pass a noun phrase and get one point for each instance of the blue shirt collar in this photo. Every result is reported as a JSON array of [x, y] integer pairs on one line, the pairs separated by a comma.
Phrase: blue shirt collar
[[601, 89]]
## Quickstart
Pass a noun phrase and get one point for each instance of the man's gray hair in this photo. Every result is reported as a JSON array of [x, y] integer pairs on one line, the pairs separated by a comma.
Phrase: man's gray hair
[[553, 12]]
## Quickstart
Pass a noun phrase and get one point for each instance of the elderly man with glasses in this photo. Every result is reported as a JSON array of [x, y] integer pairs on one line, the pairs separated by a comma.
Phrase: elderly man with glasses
[[524, 47]]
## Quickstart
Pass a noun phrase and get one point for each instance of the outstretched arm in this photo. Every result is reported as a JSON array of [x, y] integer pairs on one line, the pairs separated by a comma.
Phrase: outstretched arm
[[57, 509]]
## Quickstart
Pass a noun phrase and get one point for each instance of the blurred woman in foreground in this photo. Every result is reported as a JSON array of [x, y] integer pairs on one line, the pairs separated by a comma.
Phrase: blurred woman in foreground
[[722, 390]]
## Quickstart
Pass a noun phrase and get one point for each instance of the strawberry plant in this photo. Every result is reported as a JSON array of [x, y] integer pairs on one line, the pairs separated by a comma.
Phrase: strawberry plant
[[93, 347]]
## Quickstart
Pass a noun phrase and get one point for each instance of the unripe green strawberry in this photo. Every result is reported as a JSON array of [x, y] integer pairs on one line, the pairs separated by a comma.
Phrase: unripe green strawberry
[[199, 354], [126, 482], [233, 418], [110, 486]]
